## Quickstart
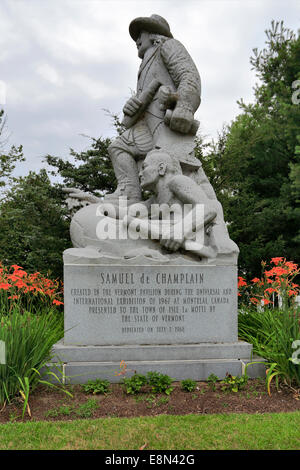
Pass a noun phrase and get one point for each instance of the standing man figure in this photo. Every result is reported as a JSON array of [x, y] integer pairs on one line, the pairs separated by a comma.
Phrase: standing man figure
[[161, 114]]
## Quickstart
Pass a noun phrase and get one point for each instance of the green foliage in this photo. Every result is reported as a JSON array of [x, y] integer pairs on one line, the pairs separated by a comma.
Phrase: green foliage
[[28, 341], [8, 159], [160, 383], [63, 410], [256, 161], [34, 218], [34, 225], [134, 384], [87, 409], [234, 383], [188, 385], [212, 379], [153, 401], [97, 386], [273, 333], [91, 171]]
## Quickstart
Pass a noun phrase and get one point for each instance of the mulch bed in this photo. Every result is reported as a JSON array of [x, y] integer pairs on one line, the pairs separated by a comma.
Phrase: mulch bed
[[51, 405]]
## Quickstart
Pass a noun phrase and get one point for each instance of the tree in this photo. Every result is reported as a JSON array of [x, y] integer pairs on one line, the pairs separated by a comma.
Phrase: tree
[[34, 217], [8, 159], [257, 159], [34, 225], [94, 174]]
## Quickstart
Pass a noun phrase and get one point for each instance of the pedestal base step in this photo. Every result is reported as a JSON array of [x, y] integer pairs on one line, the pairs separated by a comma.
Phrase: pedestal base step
[[78, 364], [81, 372]]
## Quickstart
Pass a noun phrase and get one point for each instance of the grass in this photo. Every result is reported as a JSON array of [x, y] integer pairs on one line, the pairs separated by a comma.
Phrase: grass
[[276, 431]]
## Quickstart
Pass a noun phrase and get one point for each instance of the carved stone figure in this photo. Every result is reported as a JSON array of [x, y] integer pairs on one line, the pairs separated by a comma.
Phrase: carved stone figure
[[156, 153], [161, 113], [162, 175]]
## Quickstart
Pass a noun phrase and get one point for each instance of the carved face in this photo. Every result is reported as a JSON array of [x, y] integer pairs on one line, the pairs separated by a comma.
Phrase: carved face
[[153, 167], [143, 43], [149, 174]]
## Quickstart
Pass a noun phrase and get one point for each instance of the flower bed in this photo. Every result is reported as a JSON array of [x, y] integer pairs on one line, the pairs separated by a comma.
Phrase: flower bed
[[31, 321]]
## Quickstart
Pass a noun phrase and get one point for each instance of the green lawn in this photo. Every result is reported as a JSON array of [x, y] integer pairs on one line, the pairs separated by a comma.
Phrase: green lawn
[[191, 432]]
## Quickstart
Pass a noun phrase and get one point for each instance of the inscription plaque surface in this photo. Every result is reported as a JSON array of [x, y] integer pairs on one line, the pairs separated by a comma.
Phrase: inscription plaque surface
[[115, 305]]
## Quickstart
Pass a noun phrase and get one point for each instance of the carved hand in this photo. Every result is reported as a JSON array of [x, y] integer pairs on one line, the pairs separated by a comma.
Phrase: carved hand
[[132, 106], [181, 120], [172, 245], [75, 193]]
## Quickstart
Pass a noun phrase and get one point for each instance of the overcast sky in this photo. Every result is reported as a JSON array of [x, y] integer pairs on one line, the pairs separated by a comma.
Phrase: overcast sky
[[63, 61]]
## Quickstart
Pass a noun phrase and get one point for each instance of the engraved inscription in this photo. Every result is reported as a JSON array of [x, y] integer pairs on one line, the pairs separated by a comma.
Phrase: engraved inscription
[[163, 306]]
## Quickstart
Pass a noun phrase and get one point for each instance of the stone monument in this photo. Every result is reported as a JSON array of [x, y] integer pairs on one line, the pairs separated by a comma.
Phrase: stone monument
[[152, 281]]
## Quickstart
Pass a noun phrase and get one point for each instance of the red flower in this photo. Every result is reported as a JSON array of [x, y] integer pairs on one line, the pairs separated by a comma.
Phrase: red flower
[[5, 285], [241, 281], [254, 300], [20, 284], [57, 302], [292, 266], [29, 289], [269, 290], [292, 292], [277, 271], [277, 260], [266, 301], [255, 280], [21, 273], [16, 267]]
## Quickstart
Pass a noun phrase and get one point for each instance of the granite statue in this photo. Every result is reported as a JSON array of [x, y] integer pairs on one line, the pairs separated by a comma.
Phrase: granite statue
[[156, 153], [152, 277], [162, 175], [161, 113]]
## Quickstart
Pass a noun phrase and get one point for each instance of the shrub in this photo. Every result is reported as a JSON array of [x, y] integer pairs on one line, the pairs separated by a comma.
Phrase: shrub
[[159, 383], [28, 341], [188, 385], [134, 384], [274, 287], [96, 386], [273, 334], [27, 291], [234, 383], [212, 379]]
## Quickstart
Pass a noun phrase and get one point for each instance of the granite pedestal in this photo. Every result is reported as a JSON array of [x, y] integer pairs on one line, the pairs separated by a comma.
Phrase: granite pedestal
[[177, 319]]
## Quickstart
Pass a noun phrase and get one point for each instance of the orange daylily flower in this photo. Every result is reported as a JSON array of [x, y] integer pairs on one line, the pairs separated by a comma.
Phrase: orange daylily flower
[[292, 292], [20, 284], [277, 260], [269, 290], [255, 280], [241, 281], [16, 267], [5, 285]]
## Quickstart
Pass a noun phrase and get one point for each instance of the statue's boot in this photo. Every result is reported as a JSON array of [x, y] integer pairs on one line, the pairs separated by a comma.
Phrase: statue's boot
[[126, 172]]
